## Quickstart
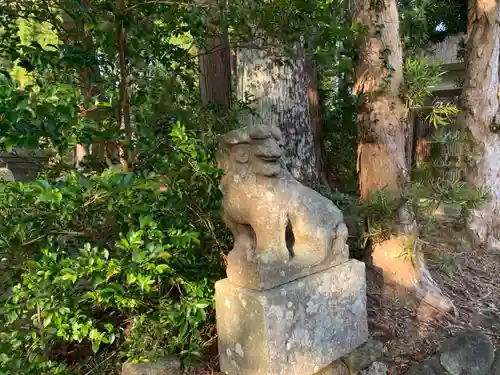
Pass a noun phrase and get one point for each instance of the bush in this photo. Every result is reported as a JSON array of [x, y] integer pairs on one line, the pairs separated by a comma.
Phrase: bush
[[111, 262]]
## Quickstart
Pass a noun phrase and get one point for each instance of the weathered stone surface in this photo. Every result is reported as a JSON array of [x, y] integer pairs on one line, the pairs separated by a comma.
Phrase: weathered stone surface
[[295, 329], [469, 352], [163, 366], [23, 165], [245, 269], [336, 368], [376, 368], [427, 367], [363, 356], [490, 319], [495, 368], [282, 229]]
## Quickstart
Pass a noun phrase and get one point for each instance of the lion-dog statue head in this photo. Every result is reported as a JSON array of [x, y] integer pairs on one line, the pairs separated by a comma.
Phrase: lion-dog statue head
[[255, 150]]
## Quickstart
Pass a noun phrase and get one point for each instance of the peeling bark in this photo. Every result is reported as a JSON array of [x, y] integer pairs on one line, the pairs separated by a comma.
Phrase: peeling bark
[[381, 151], [281, 99], [479, 108], [381, 157]]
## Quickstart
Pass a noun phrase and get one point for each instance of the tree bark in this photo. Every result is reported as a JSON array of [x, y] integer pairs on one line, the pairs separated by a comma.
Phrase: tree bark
[[215, 72], [124, 119], [479, 108], [280, 98], [104, 152], [311, 75], [215, 63], [75, 33], [381, 150], [379, 74]]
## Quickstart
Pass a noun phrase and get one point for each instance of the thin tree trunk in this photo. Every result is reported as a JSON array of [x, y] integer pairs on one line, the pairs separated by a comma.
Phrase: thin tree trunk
[[124, 98], [75, 33], [479, 108], [381, 158], [381, 150], [280, 94], [105, 152], [311, 74]]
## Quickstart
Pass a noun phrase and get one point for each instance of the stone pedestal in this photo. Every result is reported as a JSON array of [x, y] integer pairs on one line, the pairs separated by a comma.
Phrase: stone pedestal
[[293, 329]]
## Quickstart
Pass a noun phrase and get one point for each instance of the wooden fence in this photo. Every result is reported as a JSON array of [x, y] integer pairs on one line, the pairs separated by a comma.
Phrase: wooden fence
[[441, 147]]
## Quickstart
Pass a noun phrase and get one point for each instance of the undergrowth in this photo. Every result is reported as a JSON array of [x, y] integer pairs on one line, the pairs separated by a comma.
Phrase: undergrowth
[[114, 262]]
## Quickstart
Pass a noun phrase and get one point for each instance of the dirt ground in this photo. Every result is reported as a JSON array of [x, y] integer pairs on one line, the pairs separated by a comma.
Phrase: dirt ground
[[469, 277]]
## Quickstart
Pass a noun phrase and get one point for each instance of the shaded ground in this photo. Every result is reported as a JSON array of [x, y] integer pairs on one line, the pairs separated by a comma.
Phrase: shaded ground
[[469, 278]]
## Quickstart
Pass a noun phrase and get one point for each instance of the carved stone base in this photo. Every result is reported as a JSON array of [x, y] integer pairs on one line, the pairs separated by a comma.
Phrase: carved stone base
[[294, 329]]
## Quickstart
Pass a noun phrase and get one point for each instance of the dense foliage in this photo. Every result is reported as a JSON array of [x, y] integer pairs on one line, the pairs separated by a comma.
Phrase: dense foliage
[[117, 260]]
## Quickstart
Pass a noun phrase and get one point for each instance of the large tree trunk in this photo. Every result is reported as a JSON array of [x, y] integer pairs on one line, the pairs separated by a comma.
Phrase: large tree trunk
[[215, 62], [215, 72], [381, 151], [280, 93], [479, 107]]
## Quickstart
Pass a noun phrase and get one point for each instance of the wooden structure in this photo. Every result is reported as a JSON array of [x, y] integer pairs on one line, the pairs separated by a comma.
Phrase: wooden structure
[[442, 146]]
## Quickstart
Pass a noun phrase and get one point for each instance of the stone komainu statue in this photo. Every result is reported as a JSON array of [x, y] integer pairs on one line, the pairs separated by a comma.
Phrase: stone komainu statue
[[273, 217]]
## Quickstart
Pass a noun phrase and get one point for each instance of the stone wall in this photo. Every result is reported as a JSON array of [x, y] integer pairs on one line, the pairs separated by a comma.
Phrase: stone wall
[[24, 166]]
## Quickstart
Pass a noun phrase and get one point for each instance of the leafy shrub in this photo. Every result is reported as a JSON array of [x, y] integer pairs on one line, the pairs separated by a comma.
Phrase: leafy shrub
[[377, 215], [420, 79], [111, 261]]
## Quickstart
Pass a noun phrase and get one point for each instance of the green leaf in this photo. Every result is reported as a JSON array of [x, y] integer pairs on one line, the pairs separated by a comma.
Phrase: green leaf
[[138, 256], [131, 278], [162, 268], [47, 321], [117, 288], [97, 280], [12, 316], [184, 328], [69, 276]]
